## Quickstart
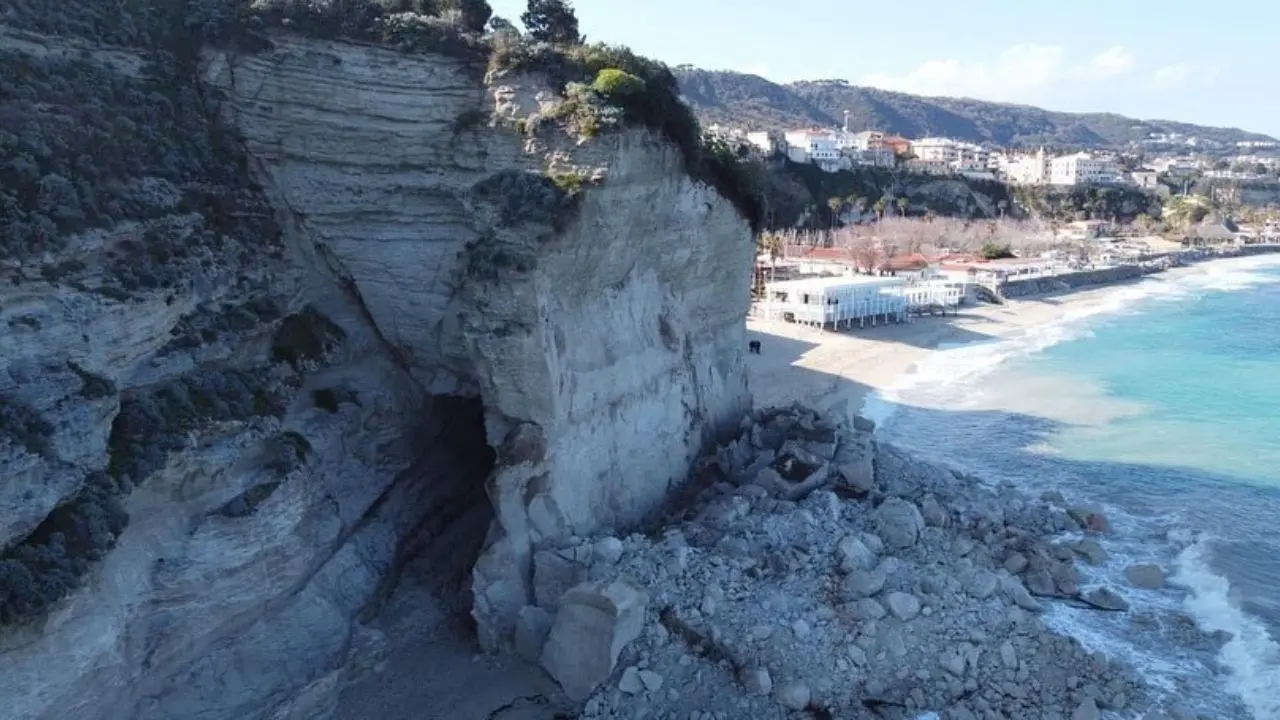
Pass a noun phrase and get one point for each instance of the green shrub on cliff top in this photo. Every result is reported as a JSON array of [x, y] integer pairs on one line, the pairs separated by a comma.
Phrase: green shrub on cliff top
[[647, 94], [615, 84]]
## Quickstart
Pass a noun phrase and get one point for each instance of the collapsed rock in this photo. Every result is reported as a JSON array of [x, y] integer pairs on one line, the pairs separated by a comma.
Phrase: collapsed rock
[[594, 622], [898, 522], [802, 596]]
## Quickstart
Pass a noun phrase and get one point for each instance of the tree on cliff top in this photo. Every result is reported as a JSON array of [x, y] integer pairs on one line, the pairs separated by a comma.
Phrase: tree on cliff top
[[472, 15], [552, 21]]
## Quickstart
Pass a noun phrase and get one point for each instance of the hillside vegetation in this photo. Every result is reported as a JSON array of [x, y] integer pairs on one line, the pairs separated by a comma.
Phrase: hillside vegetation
[[740, 99]]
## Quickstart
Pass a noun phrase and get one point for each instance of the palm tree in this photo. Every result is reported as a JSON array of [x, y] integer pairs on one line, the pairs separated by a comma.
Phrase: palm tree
[[880, 205], [902, 206], [836, 204], [1002, 206]]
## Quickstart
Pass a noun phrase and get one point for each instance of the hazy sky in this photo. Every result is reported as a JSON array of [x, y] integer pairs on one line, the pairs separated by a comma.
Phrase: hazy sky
[[1215, 62]]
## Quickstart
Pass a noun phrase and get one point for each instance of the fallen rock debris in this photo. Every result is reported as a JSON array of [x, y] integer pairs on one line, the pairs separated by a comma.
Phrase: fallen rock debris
[[816, 571]]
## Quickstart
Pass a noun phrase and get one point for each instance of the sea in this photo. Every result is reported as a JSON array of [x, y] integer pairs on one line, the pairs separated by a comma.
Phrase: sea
[[1160, 401]]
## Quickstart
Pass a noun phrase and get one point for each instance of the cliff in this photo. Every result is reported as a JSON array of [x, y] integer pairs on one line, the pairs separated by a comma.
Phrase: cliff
[[367, 307]]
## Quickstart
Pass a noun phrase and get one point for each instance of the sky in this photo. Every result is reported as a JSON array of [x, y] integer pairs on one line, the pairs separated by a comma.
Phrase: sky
[[1212, 62]]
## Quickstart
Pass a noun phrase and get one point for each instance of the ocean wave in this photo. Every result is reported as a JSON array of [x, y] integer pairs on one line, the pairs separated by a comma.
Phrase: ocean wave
[[945, 374], [1252, 655]]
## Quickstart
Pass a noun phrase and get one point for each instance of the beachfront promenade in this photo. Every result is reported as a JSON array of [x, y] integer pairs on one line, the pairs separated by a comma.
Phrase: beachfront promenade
[[846, 301]]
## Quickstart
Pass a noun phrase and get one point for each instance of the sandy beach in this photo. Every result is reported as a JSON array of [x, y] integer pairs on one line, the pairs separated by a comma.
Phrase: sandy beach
[[846, 366]]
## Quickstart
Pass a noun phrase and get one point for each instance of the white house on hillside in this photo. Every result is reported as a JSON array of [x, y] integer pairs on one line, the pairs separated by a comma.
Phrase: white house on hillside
[[815, 146], [1030, 169], [935, 149], [1080, 169]]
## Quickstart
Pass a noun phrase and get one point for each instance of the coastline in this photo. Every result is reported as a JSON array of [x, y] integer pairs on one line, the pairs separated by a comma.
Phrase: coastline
[[861, 369], [851, 367], [848, 366]]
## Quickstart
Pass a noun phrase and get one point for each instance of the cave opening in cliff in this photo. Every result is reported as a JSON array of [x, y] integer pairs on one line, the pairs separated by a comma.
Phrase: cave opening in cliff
[[453, 468]]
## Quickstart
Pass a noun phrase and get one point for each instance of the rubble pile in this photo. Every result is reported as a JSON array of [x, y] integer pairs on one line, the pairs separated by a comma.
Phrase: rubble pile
[[812, 571]]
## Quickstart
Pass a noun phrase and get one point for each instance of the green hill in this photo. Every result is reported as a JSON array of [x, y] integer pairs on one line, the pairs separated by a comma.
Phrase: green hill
[[748, 100]]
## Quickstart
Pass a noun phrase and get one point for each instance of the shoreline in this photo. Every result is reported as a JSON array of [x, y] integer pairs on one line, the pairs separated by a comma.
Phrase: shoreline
[[850, 367]]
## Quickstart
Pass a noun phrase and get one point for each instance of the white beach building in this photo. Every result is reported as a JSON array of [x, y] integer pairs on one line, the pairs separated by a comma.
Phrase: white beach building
[[836, 301]]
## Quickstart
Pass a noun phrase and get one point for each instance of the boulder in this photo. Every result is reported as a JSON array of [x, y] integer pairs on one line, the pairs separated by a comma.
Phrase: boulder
[[1091, 551], [1107, 598], [854, 555], [1016, 563], [858, 476], [1087, 710], [863, 584], [532, 626], [904, 606], [1090, 519], [594, 622], [1018, 595], [899, 523], [1146, 577]]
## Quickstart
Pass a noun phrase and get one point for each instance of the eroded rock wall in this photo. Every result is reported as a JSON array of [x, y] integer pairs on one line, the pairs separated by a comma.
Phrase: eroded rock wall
[[603, 332], [264, 401]]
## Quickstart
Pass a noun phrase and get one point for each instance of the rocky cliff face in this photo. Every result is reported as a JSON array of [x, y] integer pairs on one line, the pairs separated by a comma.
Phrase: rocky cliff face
[[436, 330]]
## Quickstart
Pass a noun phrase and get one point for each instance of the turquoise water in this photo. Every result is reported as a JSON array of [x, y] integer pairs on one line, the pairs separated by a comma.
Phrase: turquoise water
[[1206, 370], [1160, 400]]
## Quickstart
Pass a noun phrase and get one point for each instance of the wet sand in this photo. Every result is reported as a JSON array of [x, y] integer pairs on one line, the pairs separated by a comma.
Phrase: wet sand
[[824, 368]]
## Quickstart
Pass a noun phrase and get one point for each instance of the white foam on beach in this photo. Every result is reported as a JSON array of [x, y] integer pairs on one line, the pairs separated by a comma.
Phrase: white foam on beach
[[942, 378], [1252, 656]]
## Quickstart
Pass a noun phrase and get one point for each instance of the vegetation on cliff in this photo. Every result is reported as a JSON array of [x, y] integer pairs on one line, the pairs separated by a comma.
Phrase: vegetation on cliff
[[804, 195], [127, 160], [1115, 203], [606, 86]]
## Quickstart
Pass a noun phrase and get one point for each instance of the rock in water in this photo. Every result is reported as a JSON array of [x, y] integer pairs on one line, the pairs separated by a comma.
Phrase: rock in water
[[1107, 598], [595, 621], [1091, 551], [899, 523], [1146, 577]]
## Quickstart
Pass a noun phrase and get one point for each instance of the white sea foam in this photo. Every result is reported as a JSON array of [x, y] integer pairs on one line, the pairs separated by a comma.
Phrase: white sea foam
[[944, 376], [1252, 655]]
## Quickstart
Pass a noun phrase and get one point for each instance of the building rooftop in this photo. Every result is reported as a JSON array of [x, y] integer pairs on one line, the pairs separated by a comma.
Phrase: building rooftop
[[819, 284]]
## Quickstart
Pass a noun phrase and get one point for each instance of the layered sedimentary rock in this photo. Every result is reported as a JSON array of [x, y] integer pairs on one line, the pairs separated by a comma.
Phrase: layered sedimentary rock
[[287, 415]]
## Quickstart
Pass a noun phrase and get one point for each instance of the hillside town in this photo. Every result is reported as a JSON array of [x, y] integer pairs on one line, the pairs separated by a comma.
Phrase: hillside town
[[1168, 156], [900, 267]]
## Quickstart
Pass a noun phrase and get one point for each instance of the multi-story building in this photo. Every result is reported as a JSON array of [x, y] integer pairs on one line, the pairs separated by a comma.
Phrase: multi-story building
[[972, 159], [866, 140], [1176, 166], [1145, 178], [936, 149], [897, 143], [878, 156], [815, 146], [1032, 169], [1081, 169], [768, 142]]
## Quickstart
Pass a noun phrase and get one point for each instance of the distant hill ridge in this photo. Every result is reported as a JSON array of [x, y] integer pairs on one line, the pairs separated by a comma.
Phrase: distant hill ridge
[[749, 100]]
